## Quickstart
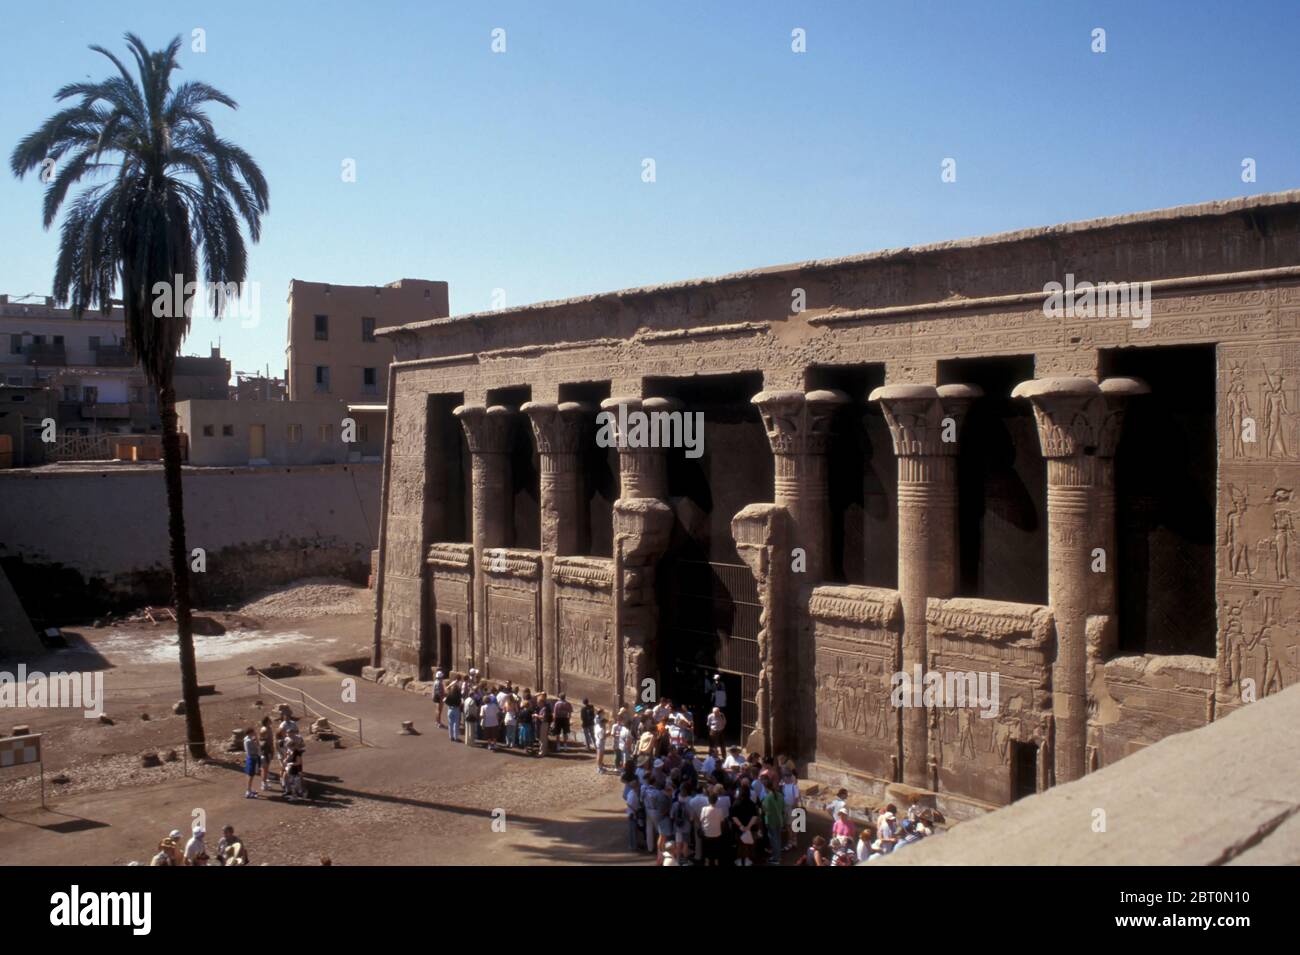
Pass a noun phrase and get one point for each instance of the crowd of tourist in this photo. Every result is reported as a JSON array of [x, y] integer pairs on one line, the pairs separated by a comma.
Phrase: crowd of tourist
[[503, 715], [712, 806], [267, 744]]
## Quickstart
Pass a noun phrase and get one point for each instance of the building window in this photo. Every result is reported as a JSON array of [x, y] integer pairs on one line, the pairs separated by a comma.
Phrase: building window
[[15, 379], [369, 381], [367, 329], [58, 340], [227, 430], [135, 394], [322, 328], [15, 344], [322, 377], [94, 343], [326, 433], [90, 394], [38, 339], [363, 432], [295, 434], [208, 431], [71, 393]]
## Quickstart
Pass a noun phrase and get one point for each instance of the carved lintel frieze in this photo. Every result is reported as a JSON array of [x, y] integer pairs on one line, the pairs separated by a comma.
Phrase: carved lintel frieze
[[990, 621], [451, 556], [596, 573], [855, 604], [506, 562]]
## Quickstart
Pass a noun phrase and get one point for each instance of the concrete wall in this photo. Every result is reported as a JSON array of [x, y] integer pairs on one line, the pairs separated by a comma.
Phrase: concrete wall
[[76, 541]]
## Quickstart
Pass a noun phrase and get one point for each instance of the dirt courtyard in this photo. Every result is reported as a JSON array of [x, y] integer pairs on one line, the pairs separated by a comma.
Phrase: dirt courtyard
[[397, 799]]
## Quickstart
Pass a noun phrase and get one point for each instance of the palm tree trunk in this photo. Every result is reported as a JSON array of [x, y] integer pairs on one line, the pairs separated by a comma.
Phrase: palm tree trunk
[[180, 570]]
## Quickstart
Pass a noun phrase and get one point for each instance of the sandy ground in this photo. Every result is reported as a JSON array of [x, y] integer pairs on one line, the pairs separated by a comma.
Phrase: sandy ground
[[398, 799]]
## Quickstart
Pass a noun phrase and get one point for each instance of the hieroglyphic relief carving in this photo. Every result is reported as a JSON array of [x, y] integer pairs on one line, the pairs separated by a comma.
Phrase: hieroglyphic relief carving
[[512, 624], [586, 639]]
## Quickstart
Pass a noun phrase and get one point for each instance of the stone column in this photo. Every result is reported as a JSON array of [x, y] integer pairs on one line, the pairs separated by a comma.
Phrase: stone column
[[1078, 426], [1103, 624], [488, 434], [558, 431], [798, 428], [642, 471], [642, 522], [925, 423]]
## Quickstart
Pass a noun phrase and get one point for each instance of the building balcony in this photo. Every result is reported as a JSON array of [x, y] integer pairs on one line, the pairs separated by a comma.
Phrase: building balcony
[[105, 409], [45, 354], [114, 356]]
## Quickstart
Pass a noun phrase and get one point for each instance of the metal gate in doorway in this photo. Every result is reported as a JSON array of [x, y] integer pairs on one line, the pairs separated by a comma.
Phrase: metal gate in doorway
[[709, 625]]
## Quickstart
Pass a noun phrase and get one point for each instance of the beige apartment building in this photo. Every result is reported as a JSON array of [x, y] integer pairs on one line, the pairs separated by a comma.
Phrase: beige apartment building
[[332, 352]]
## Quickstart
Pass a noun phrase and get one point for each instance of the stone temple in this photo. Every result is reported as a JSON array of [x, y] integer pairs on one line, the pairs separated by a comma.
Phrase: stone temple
[[917, 460]]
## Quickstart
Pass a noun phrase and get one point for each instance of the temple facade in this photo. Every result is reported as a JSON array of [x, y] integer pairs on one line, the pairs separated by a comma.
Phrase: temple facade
[[1051, 473]]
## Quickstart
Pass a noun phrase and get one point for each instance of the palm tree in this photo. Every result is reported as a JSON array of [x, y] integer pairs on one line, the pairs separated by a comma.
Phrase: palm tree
[[173, 191]]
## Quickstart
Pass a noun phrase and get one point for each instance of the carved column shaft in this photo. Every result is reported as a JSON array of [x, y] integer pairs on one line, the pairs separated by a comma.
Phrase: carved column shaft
[[488, 433], [558, 431], [798, 428], [1078, 430], [925, 424], [641, 524]]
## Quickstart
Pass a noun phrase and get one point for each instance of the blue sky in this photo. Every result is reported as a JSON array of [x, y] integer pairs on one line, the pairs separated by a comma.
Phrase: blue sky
[[522, 170]]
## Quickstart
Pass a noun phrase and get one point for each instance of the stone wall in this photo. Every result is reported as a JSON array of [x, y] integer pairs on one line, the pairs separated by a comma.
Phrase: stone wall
[[77, 541], [1223, 276]]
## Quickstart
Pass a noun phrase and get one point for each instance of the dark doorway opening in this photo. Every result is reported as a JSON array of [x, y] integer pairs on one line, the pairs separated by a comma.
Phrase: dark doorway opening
[[1024, 770], [862, 480], [447, 464], [1001, 484], [708, 598], [1166, 473], [525, 472], [444, 647]]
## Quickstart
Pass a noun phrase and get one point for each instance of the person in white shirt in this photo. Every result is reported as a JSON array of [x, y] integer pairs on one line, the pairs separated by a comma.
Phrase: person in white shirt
[[489, 715], [735, 760], [717, 722], [599, 732], [712, 819], [196, 847]]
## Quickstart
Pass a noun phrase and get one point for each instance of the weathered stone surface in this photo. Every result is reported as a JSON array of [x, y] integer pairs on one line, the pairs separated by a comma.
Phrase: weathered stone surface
[[1228, 792], [1084, 680]]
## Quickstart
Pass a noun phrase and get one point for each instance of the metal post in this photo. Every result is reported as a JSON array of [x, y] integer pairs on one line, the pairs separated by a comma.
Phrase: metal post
[[360, 740], [42, 765]]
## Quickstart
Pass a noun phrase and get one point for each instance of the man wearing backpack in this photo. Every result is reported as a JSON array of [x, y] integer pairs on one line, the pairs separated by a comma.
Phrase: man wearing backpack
[[471, 720]]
